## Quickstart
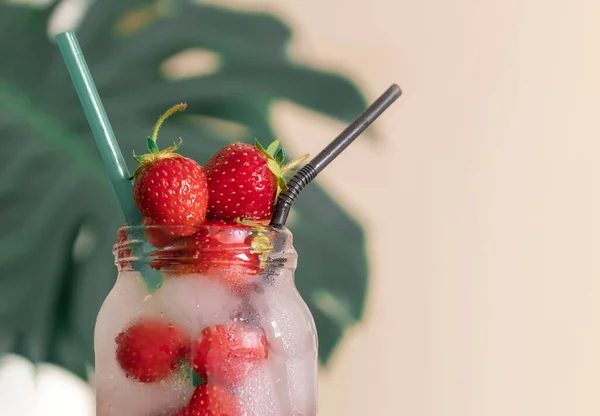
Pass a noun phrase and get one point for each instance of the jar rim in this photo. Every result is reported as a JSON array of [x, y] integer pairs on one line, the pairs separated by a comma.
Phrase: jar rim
[[215, 242], [205, 225]]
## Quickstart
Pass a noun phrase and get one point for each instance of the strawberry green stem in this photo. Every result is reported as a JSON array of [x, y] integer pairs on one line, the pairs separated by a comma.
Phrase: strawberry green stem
[[152, 140], [155, 152]]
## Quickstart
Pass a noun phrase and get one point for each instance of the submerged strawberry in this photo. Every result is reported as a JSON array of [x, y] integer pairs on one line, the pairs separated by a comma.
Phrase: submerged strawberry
[[229, 353], [169, 189], [230, 252], [150, 349], [212, 400], [244, 181]]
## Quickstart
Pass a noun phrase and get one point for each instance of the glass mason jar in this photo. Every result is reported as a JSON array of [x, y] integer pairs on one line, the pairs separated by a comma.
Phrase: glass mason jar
[[213, 319]]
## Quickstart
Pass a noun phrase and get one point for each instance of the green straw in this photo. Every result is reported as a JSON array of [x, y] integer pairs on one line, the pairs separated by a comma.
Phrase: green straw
[[109, 150], [99, 124]]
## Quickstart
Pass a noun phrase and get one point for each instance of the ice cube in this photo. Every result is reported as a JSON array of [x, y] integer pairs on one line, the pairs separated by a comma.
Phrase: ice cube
[[257, 395], [124, 396], [195, 302], [285, 318]]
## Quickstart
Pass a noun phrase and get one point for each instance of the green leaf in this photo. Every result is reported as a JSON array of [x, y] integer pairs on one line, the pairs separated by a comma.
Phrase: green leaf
[[59, 213], [21, 29], [247, 36], [281, 185], [196, 379], [269, 81], [190, 374], [260, 147], [274, 167], [273, 148], [280, 156], [152, 146]]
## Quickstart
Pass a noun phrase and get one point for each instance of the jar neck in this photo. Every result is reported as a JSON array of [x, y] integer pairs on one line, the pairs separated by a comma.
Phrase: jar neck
[[212, 246]]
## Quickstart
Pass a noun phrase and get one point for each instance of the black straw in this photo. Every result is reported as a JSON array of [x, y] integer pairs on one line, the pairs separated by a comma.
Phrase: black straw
[[320, 161]]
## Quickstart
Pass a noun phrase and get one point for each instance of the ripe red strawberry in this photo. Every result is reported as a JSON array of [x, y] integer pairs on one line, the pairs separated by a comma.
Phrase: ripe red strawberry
[[245, 180], [169, 189], [212, 400], [230, 252], [150, 349], [229, 353]]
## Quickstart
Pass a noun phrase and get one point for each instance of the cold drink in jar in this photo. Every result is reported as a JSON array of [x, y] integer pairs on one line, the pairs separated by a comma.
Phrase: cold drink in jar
[[224, 333]]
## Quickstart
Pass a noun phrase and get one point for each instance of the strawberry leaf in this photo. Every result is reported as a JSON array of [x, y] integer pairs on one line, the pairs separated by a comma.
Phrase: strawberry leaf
[[281, 185], [196, 379], [274, 167], [152, 146], [273, 148], [280, 156], [187, 370], [260, 147]]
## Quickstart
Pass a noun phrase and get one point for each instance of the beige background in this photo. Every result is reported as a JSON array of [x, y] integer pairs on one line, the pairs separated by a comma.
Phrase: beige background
[[486, 276]]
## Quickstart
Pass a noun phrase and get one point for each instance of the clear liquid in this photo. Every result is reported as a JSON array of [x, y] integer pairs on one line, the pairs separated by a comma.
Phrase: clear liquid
[[285, 384]]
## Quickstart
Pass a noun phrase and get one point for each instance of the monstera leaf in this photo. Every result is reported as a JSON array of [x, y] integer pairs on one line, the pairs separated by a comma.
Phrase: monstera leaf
[[58, 214]]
